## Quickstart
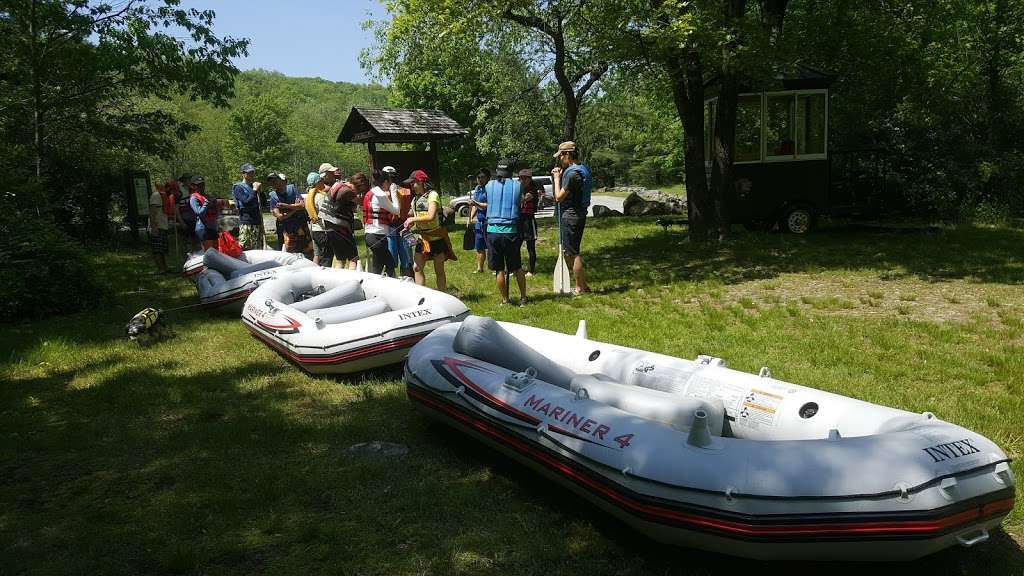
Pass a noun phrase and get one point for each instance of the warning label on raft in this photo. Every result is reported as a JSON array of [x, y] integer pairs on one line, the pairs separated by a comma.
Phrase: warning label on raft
[[759, 409]]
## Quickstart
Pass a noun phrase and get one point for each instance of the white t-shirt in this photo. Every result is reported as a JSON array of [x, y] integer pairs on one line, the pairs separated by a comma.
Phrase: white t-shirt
[[380, 201], [155, 201]]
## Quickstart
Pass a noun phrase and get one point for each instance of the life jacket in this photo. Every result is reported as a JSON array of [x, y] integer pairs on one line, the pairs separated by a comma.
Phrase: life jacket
[[404, 203], [582, 201], [381, 217], [166, 200], [502, 202], [211, 209], [335, 209]]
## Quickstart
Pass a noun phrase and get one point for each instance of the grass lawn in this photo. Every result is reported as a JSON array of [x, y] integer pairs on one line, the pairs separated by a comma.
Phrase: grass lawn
[[209, 454]]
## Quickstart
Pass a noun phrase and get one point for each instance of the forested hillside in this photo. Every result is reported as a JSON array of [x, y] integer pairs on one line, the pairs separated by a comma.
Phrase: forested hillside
[[275, 122]]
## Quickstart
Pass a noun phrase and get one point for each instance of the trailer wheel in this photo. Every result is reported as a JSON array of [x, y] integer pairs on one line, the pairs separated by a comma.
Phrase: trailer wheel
[[798, 220], [463, 210]]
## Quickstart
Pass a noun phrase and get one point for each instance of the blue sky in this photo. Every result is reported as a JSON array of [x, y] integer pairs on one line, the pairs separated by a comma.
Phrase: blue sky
[[292, 37]]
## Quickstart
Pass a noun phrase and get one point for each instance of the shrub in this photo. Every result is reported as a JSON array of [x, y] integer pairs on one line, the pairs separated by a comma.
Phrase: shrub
[[45, 271]]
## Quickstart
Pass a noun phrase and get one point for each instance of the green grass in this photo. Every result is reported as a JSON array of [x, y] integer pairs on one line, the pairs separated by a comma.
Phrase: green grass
[[208, 453]]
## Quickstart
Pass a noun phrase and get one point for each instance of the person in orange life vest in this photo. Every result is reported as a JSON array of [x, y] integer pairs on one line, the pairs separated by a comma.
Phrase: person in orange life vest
[[290, 211], [400, 250], [161, 204], [433, 238], [206, 211], [379, 214], [527, 222]]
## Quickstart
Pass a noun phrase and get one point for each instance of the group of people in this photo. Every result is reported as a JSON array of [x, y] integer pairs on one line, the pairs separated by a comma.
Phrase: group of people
[[402, 220], [502, 216]]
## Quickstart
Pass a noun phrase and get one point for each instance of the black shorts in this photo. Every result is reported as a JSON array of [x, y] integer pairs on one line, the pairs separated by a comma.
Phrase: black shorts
[[527, 227], [504, 253], [572, 234], [343, 244]]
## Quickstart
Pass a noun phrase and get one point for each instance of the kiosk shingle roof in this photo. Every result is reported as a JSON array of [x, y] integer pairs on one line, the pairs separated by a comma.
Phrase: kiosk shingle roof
[[398, 125]]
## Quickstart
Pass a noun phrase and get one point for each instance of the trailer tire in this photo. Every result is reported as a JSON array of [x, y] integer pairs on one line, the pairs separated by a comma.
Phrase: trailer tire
[[798, 220]]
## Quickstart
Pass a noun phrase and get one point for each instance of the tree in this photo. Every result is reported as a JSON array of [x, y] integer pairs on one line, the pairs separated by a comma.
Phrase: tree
[[256, 134]]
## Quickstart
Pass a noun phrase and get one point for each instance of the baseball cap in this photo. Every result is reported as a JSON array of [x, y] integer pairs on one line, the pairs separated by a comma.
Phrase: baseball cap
[[273, 175], [568, 146], [389, 170], [184, 178], [418, 176], [312, 178], [504, 168], [197, 180], [246, 168], [526, 173], [327, 167]]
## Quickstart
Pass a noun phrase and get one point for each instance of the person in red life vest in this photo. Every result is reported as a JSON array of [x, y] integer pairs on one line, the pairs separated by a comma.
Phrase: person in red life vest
[[527, 220], [160, 202], [290, 211], [206, 212], [434, 243], [336, 211], [379, 215]]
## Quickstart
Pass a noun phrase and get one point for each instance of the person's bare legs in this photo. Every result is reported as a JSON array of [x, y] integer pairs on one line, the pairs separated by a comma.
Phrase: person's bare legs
[[480, 257], [521, 282], [580, 274], [418, 262], [502, 282], [442, 280], [352, 264]]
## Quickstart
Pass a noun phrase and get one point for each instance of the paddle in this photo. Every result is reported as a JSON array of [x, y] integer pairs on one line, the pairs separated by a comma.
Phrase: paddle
[[561, 281]]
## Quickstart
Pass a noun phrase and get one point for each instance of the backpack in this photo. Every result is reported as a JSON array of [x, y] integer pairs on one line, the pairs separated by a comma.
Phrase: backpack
[[227, 244], [582, 203]]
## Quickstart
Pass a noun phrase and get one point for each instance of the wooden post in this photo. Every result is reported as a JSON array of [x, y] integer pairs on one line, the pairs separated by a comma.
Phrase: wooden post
[[437, 162], [372, 149]]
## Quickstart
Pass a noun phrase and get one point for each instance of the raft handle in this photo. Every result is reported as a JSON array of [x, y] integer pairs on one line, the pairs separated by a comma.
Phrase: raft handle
[[968, 542], [582, 394], [765, 372]]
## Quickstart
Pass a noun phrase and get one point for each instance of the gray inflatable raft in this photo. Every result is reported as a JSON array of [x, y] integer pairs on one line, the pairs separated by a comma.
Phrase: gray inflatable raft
[[696, 454], [225, 280]]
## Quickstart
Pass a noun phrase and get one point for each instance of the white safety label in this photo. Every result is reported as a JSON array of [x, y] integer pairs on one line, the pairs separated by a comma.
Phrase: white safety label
[[758, 409], [730, 394]]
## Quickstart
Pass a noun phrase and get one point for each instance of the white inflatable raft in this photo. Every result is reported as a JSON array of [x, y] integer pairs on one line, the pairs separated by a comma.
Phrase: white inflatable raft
[[330, 320], [696, 454], [225, 280], [194, 261]]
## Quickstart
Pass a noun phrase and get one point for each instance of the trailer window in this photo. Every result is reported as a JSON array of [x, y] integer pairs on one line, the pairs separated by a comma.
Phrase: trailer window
[[810, 125], [780, 136], [748, 128]]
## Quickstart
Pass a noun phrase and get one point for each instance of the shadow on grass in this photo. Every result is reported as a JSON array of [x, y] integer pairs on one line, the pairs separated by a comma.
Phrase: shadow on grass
[[931, 254]]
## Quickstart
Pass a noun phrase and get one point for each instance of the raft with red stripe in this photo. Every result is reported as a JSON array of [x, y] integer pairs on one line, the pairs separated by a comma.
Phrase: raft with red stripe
[[696, 454], [328, 320]]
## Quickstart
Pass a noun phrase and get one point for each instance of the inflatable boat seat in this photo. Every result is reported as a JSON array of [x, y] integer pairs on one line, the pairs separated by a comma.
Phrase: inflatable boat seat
[[222, 262], [670, 409], [482, 338], [350, 312], [265, 265], [344, 293]]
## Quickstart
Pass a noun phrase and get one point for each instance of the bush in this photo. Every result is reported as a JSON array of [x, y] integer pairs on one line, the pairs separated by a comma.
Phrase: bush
[[45, 272]]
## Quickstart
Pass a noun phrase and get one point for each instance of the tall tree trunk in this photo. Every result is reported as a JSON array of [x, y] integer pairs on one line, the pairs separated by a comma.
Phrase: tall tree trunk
[[725, 123], [686, 76], [37, 92]]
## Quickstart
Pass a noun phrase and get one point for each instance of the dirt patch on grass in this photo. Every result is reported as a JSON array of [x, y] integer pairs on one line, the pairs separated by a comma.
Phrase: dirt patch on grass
[[870, 296]]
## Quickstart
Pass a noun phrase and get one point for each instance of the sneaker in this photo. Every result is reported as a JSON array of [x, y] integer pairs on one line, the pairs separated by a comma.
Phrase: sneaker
[[578, 292], [529, 274], [504, 303], [523, 301]]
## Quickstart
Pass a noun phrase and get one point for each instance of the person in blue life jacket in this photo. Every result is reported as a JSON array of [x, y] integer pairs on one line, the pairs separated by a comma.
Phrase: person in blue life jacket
[[573, 184], [478, 218], [504, 242]]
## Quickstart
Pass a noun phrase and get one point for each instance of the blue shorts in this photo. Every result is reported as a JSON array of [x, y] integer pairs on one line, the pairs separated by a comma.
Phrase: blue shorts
[[479, 241]]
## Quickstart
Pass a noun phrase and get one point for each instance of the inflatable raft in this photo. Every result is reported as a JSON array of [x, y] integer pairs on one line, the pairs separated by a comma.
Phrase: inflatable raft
[[225, 280], [696, 454], [194, 261], [330, 320]]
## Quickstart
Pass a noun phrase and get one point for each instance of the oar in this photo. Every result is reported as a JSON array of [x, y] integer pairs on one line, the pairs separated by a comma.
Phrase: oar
[[561, 281]]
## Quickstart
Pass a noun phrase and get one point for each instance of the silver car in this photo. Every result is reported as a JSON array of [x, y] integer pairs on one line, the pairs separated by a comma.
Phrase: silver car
[[461, 203]]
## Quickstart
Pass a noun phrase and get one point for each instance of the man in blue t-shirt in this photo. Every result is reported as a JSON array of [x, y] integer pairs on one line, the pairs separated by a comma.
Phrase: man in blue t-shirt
[[290, 211], [571, 187], [478, 217], [250, 221], [503, 240]]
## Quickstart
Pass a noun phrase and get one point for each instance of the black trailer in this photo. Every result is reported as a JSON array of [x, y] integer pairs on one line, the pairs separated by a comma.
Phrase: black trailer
[[784, 171]]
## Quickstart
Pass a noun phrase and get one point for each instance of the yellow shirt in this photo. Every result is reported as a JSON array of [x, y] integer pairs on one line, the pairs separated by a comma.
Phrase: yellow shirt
[[432, 197]]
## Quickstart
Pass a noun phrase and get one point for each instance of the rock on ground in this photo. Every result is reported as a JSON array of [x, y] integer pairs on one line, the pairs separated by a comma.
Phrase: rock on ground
[[652, 203]]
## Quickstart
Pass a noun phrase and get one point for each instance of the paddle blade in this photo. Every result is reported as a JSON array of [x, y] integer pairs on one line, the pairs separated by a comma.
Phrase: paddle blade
[[561, 284]]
